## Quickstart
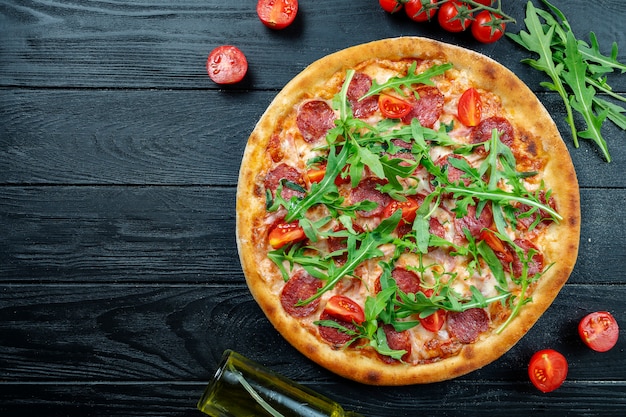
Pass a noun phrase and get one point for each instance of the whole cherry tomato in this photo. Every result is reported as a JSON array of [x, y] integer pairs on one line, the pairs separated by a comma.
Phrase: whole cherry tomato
[[454, 16], [226, 64], [547, 370], [277, 14], [393, 107], [391, 6], [486, 28], [599, 331], [485, 2], [420, 12]]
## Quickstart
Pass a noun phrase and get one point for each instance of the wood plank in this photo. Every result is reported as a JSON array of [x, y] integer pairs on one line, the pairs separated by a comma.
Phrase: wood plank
[[162, 332], [154, 347], [175, 138], [159, 44], [178, 399], [186, 234]]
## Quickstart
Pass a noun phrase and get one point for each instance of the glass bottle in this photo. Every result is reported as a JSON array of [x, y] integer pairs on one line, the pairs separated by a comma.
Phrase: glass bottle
[[243, 388]]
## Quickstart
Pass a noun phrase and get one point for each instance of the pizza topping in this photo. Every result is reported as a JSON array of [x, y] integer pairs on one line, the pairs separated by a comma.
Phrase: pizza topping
[[470, 107], [285, 233], [360, 84], [367, 190], [467, 325], [441, 226], [427, 108], [288, 179], [300, 287], [314, 119], [398, 341]]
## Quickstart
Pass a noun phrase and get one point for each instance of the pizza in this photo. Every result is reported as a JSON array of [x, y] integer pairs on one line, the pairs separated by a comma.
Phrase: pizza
[[406, 211]]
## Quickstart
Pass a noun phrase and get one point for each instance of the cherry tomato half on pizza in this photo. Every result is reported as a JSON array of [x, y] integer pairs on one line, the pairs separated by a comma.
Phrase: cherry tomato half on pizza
[[469, 108], [599, 331], [284, 233], [277, 14], [344, 308], [393, 107], [547, 370], [226, 64]]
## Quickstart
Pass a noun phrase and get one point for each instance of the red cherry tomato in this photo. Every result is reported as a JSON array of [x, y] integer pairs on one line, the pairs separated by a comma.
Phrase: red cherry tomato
[[226, 64], [484, 30], [316, 175], [547, 370], [393, 107], [284, 233], [390, 6], [469, 108], [485, 2], [419, 12], [451, 18], [494, 242], [408, 207], [344, 308], [435, 321], [599, 331], [277, 14]]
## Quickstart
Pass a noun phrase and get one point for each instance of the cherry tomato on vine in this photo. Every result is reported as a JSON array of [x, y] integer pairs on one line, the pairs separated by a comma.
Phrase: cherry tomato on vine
[[418, 12], [344, 308], [393, 107], [284, 233], [547, 370], [453, 16], [485, 29], [599, 331], [469, 109], [391, 6], [226, 64], [485, 2], [277, 14]]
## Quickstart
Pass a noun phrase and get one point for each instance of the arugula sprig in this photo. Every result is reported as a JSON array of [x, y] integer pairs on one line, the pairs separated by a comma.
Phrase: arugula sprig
[[577, 70]]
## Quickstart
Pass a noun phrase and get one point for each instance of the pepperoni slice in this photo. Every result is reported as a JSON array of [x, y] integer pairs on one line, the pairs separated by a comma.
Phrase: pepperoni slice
[[314, 119], [482, 132], [396, 341], [359, 85], [474, 224], [466, 326], [407, 281], [300, 287], [436, 228], [454, 174], [525, 218], [286, 172], [366, 190], [535, 266], [428, 108], [333, 335]]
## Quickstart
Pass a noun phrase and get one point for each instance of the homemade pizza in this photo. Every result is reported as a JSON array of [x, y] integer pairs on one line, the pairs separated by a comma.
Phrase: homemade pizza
[[406, 211]]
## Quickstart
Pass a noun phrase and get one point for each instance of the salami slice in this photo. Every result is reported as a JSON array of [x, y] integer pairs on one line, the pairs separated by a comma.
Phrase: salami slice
[[300, 287], [454, 174], [284, 172], [396, 341], [466, 326], [333, 335], [360, 85], [482, 132], [407, 281], [428, 108], [366, 190], [314, 119], [474, 224], [534, 266]]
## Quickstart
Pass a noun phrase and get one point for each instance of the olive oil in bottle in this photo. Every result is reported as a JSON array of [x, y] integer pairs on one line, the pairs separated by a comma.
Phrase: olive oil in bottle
[[243, 388]]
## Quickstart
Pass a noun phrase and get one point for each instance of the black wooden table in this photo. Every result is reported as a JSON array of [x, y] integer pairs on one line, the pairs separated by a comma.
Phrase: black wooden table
[[120, 284]]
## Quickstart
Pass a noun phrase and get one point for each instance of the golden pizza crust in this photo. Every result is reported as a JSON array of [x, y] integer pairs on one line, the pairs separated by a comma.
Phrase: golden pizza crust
[[525, 111]]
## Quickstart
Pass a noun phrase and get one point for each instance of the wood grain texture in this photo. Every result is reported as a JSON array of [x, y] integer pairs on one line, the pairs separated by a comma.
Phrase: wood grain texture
[[120, 284]]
